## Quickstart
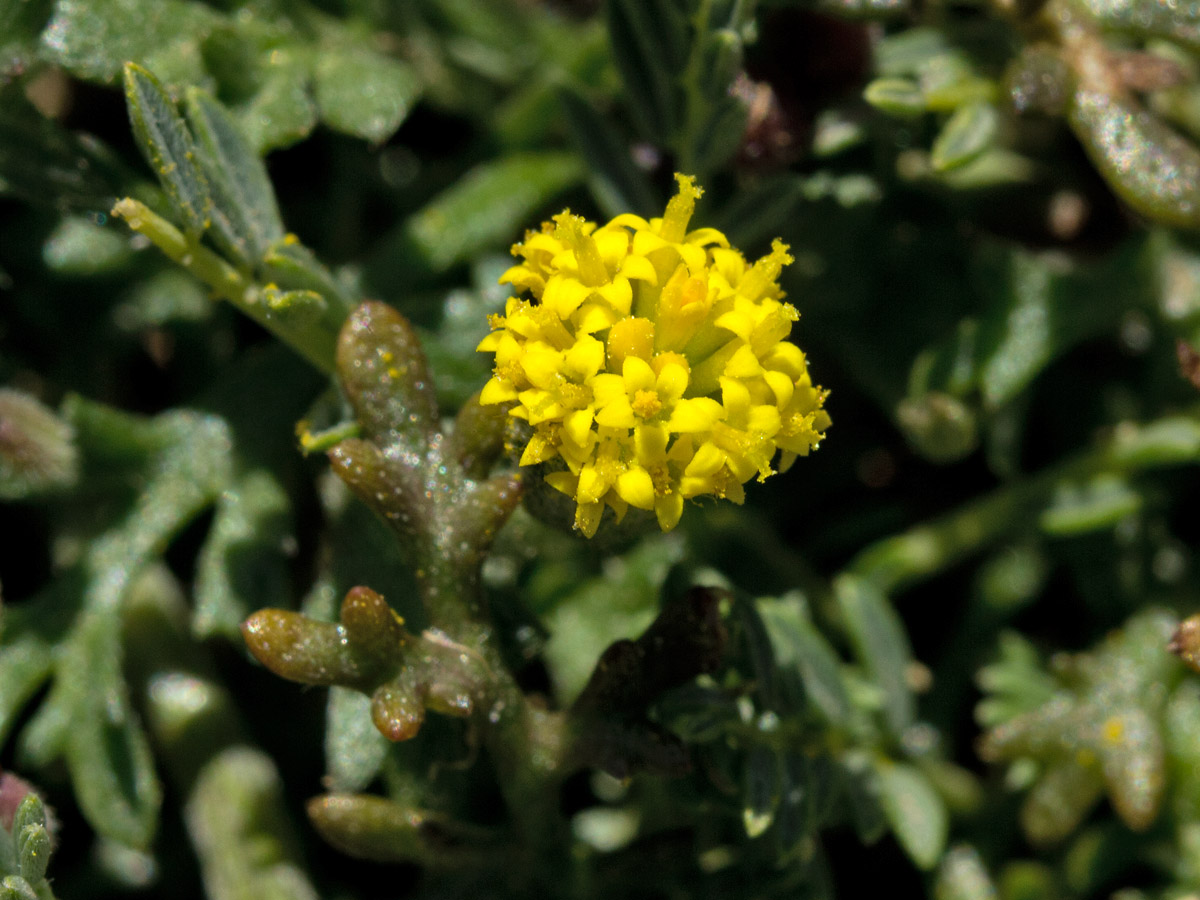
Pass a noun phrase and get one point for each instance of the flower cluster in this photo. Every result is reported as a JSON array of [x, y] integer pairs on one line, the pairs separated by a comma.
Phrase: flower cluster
[[652, 361]]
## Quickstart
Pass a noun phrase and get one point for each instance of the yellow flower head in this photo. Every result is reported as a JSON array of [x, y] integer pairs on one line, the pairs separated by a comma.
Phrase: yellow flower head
[[652, 361]]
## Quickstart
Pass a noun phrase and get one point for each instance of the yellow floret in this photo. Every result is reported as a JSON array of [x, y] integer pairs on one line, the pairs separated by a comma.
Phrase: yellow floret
[[652, 362]]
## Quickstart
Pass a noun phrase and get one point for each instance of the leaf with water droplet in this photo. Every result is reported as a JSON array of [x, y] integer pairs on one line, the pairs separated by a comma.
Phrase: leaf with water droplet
[[363, 93]]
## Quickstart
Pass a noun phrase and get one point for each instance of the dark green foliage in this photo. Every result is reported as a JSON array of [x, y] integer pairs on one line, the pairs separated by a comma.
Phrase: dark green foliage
[[239, 406]]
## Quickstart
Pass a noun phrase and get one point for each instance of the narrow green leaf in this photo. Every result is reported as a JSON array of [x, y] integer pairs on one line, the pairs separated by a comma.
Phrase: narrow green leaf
[[649, 43], [242, 564], [895, 96], [616, 183], [242, 193], [364, 94], [107, 752], [165, 141], [916, 812], [1100, 503], [489, 205], [967, 134], [881, 645], [26, 661]]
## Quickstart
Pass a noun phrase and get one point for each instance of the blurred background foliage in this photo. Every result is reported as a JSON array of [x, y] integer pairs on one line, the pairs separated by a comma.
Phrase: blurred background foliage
[[946, 669]]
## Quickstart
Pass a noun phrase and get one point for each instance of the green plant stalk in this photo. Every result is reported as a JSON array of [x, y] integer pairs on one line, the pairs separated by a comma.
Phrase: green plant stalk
[[926, 550], [314, 339], [528, 745]]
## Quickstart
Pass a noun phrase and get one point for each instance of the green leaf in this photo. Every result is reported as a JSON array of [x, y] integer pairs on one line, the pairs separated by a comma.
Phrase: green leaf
[[800, 646], [79, 247], [26, 661], [616, 183], [489, 205], [968, 133], [182, 464], [167, 144], [963, 876], [242, 564], [281, 112], [649, 44], [1148, 165], [242, 193], [364, 94], [916, 812], [241, 831], [895, 96], [881, 646], [1099, 503], [93, 39], [107, 752], [354, 747]]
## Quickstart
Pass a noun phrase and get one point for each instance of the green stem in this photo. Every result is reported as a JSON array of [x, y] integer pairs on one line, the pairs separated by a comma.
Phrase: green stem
[[311, 338], [928, 549]]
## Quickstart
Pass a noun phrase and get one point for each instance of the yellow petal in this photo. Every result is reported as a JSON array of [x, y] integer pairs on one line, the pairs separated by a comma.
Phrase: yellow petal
[[695, 414], [592, 485], [635, 488], [638, 268], [538, 450], [594, 316], [743, 363], [563, 481], [585, 358], [707, 461], [650, 444], [564, 295], [541, 365], [739, 322], [629, 220], [764, 420], [497, 391], [672, 381], [669, 508], [607, 387], [587, 518], [618, 414], [703, 237], [736, 399], [781, 386], [631, 336], [637, 374], [577, 426], [618, 294]]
